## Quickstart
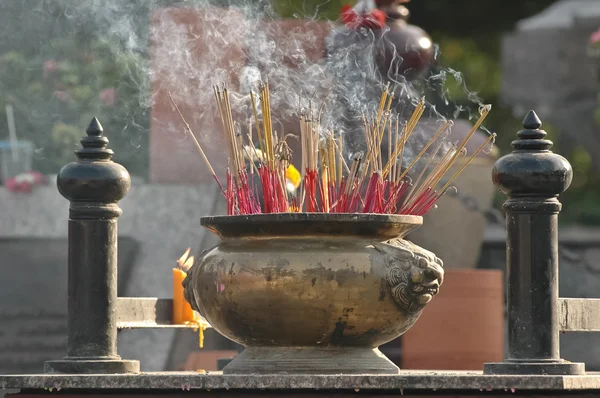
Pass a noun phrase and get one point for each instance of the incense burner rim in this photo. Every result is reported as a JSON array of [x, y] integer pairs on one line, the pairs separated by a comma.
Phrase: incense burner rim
[[360, 225]]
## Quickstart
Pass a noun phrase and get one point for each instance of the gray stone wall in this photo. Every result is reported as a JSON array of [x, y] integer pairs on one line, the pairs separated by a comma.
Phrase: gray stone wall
[[33, 299], [545, 66]]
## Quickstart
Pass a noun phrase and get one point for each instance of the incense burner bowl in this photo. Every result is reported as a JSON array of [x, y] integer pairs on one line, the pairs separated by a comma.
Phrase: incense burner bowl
[[310, 292]]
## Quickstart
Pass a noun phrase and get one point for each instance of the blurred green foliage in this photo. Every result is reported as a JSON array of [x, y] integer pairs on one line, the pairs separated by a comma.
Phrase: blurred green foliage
[[55, 98], [58, 76]]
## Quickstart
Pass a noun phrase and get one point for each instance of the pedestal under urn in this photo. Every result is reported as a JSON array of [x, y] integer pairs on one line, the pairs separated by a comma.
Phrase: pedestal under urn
[[313, 292]]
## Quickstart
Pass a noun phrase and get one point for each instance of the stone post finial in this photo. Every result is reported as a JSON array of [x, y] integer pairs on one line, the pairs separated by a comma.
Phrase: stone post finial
[[532, 169], [94, 145], [532, 177], [93, 184], [94, 178]]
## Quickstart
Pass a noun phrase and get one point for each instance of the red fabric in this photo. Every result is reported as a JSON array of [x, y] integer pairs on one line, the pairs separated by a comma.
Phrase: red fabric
[[374, 19]]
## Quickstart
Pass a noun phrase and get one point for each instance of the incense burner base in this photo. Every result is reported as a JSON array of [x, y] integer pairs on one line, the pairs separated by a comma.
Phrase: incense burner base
[[311, 360], [92, 366]]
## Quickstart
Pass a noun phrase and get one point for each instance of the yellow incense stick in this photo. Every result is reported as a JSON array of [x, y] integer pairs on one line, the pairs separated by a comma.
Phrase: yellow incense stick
[[398, 168], [258, 132], [408, 129], [341, 162], [483, 114], [439, 171], [435, 137], [491, 138], [417, 189]]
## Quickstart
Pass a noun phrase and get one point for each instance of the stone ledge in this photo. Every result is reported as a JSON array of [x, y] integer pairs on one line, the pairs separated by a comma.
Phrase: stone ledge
[[406, 380]]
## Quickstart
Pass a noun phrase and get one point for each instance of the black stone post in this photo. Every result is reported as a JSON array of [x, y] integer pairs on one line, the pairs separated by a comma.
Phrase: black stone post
[[93, 184], [532, 177]]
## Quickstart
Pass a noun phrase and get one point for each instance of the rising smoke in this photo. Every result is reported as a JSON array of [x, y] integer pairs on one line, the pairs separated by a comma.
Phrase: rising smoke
[[186, 47]]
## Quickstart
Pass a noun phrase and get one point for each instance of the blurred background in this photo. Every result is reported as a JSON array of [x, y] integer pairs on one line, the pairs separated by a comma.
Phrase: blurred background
[[57, 73], [63, 62]]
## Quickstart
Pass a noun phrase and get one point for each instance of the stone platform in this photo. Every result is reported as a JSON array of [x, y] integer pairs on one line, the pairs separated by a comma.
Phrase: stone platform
[[420, 382]]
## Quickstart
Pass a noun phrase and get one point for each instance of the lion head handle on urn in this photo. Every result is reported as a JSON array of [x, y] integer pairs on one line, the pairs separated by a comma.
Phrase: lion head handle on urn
[[414, 275]]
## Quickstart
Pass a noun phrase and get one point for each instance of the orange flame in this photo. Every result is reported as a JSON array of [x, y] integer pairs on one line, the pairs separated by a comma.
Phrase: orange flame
[[184, 261]]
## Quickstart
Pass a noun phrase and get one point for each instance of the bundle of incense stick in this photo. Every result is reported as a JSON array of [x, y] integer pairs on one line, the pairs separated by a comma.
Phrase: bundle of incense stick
[[364, 184]]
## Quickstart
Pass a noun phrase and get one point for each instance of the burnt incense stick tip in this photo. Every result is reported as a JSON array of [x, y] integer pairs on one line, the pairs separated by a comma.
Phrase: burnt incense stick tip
[[492, 142], [485, 108]]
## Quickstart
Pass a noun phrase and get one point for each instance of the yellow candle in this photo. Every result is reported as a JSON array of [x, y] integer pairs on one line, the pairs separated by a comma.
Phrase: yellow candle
[[178, 299], [182, 310]]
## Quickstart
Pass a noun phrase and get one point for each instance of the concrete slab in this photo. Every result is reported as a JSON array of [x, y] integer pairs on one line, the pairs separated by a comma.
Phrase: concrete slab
[[407, 380]]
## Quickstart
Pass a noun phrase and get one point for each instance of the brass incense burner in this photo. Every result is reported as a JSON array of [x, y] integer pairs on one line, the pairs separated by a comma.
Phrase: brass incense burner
[[312, 292]]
